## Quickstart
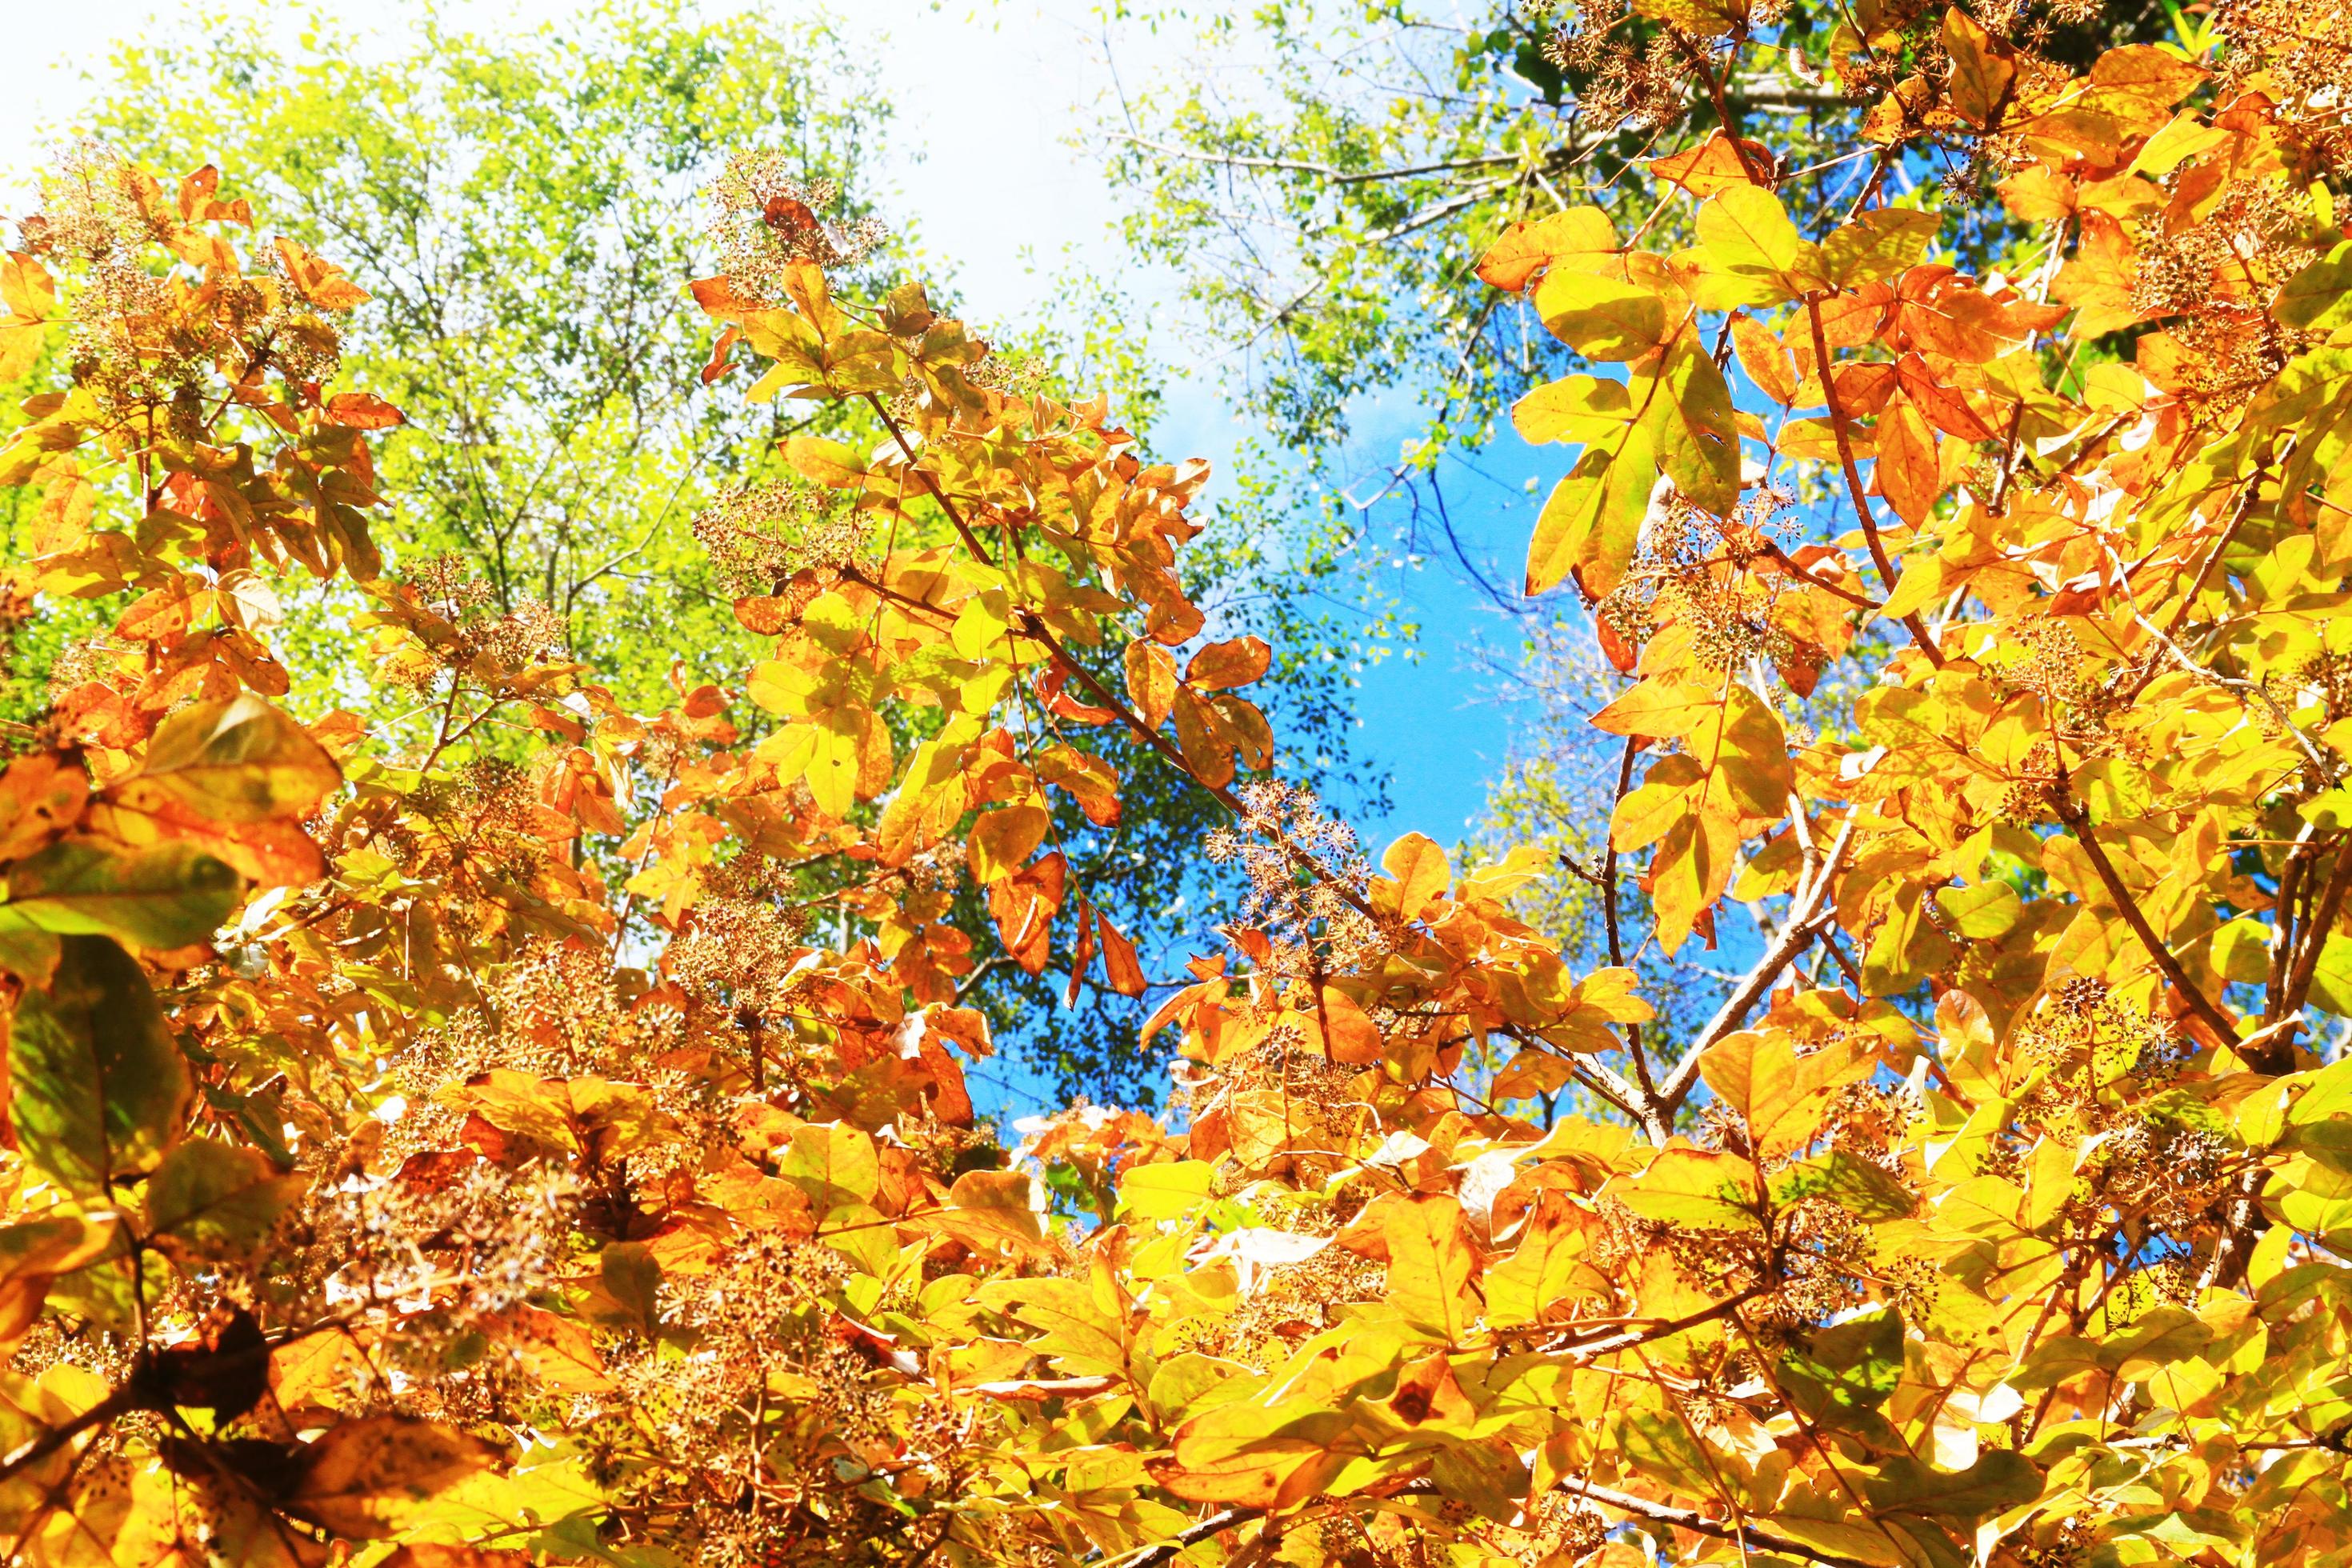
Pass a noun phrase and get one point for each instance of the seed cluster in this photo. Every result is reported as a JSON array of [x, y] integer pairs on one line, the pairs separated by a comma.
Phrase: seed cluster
[[768, 217], [780, 539], [1308, 879]]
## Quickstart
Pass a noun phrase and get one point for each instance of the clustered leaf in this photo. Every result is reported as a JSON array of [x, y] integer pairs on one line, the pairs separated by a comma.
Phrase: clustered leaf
[[529, 1131]]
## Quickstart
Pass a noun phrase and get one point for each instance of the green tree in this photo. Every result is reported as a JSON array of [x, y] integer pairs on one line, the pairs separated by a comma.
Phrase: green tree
[[521, 211]]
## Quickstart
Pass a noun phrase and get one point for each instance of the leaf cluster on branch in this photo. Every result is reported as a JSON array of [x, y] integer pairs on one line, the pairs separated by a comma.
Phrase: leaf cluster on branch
[[387, 1183]]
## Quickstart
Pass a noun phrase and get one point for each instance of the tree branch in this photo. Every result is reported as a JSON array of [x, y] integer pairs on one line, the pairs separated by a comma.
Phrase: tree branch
[[1793, 939], [2079, 823], [1824, 368]]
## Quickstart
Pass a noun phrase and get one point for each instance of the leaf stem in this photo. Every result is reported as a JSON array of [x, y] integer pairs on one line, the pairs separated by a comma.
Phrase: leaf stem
[[1886, 573], [2078, 822]]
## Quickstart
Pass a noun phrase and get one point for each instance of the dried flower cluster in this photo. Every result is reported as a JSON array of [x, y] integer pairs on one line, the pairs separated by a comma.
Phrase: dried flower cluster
[[770, 217]]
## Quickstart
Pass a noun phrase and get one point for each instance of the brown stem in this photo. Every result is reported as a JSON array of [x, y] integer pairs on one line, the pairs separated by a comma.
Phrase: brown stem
[[1730, 122], [1700, 1524], [1826, 371], [1796, 934], [1608, 885], [1033, 624], [972, 540], [132, 1396], [2225, 1032], [2314, 937], [1782, 559]]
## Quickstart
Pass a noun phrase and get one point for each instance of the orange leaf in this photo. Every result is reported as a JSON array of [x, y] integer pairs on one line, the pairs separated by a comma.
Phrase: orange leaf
[[1082, 954], [1024, 907], [1222, 665], [363, 411], [367, 1479], [1765, 359], [1579, 239], [1121, 969], [1907, 476], [1944, 407], [1714, 165], [1150, 681], [1418, 866]]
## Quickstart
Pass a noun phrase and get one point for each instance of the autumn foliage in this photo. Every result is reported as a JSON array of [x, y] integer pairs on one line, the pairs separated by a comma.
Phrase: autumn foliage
[[515, 1130]]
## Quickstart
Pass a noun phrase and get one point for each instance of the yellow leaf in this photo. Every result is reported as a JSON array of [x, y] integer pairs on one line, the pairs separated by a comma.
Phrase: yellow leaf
[[1150, 681], [1591, 524], [1578, 240], [367, 1479], [1573, 408], [1418, 869], [1431, 1258], [828, 463], [1601, 318], [1003, 839]]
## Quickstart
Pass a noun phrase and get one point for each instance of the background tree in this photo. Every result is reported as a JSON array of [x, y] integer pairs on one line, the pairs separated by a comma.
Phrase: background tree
[[525, 211]]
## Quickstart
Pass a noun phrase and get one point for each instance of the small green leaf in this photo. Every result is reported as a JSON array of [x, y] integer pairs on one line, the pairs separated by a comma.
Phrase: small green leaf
[[1695, 1187], [1689, 415], [1981, 912], [1866, 1190], [2001, 1479], [167, 895], [209, 1200], [99, 1087], [1856, 1366]]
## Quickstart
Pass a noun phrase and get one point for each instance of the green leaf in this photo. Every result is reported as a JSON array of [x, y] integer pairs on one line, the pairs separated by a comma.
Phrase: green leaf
[[2316, 298], [2331, 979], [1981, 912], [1856, 1366], [99, 1087], [2001, 1479], [1688, 414], [167, 895], [209, 1200], [1865, 1190], [1696, 1187], [1600, 318], [1592, 525], [1663, 1448]]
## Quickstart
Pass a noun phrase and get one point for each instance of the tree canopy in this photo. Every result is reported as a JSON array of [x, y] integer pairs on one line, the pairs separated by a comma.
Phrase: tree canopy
[[524, 1124], [523, 208]]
